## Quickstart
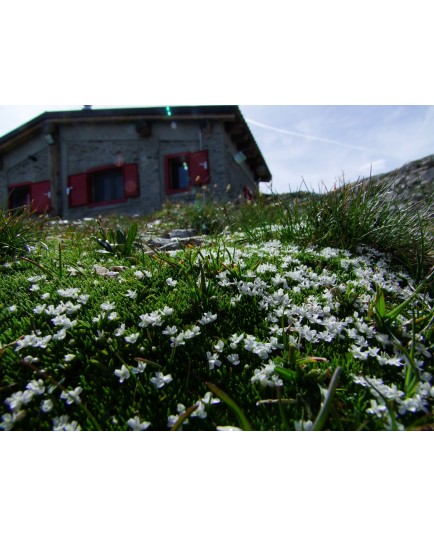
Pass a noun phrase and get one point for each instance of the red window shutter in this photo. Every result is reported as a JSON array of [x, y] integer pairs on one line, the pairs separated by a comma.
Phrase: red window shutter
[[199, 168], [40, 195], [131, 180], [78, 190]]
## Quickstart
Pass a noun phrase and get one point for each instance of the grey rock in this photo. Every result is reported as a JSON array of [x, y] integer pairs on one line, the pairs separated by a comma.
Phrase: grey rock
[[174, 243], [182, 233]]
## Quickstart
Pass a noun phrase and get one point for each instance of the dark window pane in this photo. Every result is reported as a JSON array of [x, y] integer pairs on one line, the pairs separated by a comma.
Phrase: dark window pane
[[19, 197], [179, 176], [107, 185]]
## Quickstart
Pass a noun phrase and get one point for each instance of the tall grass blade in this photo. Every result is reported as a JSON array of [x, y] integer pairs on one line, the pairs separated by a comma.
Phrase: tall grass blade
[[325, 408], [184, 416], [245, 425]]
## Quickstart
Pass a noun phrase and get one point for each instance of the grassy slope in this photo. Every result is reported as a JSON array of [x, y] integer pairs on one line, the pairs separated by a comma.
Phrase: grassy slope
[[246, 331]]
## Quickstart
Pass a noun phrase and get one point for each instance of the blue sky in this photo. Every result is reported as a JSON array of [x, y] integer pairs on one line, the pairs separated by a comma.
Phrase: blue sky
[[315, 145]]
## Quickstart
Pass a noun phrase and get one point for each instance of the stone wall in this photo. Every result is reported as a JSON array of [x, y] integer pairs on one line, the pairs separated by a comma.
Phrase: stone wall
[[86, 146]]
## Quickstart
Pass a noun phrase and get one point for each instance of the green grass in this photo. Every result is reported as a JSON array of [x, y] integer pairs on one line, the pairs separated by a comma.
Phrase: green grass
[[300, 312], [20, 232]]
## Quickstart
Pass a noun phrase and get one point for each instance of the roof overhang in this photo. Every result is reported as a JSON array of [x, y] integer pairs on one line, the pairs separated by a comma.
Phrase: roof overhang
[[230, 115]]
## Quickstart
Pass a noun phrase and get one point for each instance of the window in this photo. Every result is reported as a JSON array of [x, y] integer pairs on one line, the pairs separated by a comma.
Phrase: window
[[34, 196], [177, 173], [185, 170], [103, 185], [107, 185]]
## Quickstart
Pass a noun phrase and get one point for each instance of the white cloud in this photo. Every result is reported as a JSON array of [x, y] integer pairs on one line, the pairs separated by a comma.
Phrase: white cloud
[[305, 136]]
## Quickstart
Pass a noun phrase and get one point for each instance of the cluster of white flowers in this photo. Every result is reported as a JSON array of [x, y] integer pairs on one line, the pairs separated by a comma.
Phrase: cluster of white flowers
[[293, 298], [34, 340], [155, 318], [266, 376], [17, 400], [62, 424], [390, 393], [200, 412]]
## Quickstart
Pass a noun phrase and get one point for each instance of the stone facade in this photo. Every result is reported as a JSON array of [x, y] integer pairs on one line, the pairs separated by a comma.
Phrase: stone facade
[[57, 153]]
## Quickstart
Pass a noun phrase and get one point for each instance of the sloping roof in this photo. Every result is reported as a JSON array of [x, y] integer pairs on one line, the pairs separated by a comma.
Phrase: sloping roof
[[232, 117]]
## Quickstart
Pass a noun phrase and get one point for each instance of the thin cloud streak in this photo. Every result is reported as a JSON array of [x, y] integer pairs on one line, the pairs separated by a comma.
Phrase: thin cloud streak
[[305, 136]]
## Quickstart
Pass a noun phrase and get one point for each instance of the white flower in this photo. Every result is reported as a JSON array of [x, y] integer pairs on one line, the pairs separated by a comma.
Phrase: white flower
[[36, 278], [358, 353], [37, 386], [10, 419], [234, 359], [60, 335], [61, 424], [71, 308], [13, 309], [139, 274], [160, 381], [250, 343], [152, 319], [177, 341], [228, 429], [200, 411], [193, 332], [120, 330], [262, 349], [235, 339], [170, 330], [39, 309], [15, 401], [113, 315], [107, 306], [30, 359], [7, 422], [47, 406], [131, 294], [213, 360], [27, 396], [303, 425], [172, 419], [171, 282], [139, 369], [207, 318], [72, 396], [34, 288], [208, 399], [377, 409], [69, 292], [266, 377], [33, 340], [83, 298], [123, 373], [263, 268], [64, 321], [69, 357], [219, 347], [136, 425], [132, 338], [167, 311]]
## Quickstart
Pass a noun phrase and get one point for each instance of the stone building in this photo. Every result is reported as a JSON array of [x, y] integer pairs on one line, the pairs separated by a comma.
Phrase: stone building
[[91, 161]]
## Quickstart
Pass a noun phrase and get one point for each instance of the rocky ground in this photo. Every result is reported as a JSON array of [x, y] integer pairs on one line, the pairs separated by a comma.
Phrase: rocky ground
[[413, 181]]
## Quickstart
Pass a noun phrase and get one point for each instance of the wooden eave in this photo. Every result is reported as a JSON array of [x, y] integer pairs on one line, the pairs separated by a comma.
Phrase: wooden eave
[[235, 126]]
